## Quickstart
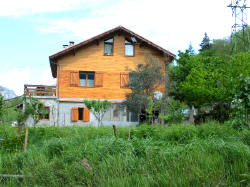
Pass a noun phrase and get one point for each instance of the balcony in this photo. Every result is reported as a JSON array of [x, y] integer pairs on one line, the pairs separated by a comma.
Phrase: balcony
[[39, 90]]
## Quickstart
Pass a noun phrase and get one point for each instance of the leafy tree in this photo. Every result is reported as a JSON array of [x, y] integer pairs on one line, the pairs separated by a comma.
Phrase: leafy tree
[[221, 47], [209, 81], [32, 107], [144, 82], [242, 103], [205, 44], [177, 76], [98, 108]]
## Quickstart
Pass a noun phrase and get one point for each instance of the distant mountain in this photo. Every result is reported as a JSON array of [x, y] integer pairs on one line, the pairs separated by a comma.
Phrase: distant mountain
[[7, 93]]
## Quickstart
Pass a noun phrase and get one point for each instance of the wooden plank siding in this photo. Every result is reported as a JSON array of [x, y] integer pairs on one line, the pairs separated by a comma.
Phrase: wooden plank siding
[[91, 58]]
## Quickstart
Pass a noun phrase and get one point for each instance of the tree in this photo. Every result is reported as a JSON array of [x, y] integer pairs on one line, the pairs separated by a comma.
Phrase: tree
[[32, 107], [242, 103], [205, 43], [209, 81], [177, 75], [191, 50], [144, 82], [98, 108]]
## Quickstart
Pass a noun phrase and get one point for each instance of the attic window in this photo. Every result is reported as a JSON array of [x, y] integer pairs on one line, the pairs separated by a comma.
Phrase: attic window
[[129, 48], [108, 46]]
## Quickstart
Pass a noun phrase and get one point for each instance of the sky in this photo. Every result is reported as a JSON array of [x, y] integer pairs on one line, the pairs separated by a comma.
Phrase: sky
[[31, 31]]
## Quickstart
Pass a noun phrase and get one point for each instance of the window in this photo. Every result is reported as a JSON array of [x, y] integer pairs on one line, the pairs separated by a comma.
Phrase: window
[[129, 48], [80, 114], [87, 79], [108, 46], [44, 113]]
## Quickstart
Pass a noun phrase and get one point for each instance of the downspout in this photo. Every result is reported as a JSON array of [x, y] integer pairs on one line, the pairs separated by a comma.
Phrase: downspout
[[58, 92]]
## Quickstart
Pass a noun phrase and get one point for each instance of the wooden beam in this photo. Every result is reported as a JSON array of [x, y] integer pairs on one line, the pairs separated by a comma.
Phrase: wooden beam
[[12, 176], [96, 42]]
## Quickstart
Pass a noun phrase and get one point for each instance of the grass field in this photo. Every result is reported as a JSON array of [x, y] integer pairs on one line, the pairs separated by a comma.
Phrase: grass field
[[206, 155]]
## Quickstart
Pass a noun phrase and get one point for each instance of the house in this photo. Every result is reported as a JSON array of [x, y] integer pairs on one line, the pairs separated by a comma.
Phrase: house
[[95, 69]]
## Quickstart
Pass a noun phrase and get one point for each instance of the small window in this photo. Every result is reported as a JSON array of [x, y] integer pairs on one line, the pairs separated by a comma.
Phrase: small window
[[80, 113], [44, 113], [87, 79], [108, 46], [129, 48]]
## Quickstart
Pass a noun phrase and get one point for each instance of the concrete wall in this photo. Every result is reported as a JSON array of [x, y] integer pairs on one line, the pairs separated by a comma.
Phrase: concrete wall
[[60, 114], [51, 102], [64, 118]]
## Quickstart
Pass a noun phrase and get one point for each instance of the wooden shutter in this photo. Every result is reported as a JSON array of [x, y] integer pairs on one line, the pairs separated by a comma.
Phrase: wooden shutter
[[86, 114], [74, 114], [74, 78], [98, 79], [124, 80]]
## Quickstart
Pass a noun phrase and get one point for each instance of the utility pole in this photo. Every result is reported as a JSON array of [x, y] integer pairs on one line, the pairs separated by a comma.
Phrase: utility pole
[[239, 13]]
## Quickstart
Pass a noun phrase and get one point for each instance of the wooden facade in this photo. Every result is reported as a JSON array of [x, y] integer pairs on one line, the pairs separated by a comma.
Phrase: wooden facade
[[111, 72]]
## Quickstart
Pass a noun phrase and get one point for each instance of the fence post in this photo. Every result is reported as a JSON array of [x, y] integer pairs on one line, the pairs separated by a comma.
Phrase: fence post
[[26, 139], [114, 128]]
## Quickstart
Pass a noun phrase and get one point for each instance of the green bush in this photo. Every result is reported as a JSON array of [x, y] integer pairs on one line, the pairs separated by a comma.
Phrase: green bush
[[55, 147], [13, 143]]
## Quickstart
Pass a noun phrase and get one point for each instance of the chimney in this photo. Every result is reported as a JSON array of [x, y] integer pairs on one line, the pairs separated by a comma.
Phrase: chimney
[[71, 43], [65, 46]]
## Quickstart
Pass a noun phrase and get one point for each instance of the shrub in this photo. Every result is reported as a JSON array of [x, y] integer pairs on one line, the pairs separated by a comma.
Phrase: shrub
[[55, 147]]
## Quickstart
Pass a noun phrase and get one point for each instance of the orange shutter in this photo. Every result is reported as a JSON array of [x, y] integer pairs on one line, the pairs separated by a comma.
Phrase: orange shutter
[[74, 114], [124, 80], [86, 114], [74, 78], [98, 79]]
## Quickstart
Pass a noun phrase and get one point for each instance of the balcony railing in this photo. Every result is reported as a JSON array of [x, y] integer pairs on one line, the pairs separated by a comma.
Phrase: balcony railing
[[39, 90]]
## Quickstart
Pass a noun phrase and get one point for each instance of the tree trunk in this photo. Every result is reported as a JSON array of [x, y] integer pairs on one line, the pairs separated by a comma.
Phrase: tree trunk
[[191, 115]]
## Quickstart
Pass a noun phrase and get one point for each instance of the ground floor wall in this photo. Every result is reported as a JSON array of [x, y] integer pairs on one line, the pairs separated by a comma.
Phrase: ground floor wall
[[115, 115], [52, 104], [60, 114]]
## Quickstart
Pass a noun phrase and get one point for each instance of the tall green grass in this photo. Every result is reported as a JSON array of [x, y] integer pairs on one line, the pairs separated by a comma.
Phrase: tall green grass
[[179, 155]]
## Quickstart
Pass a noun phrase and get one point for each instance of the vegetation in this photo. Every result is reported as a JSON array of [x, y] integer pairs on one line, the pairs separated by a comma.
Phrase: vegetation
[[98, 108], [144, 82], [214, 81], [211, 81], [205, 44], [206, 155]]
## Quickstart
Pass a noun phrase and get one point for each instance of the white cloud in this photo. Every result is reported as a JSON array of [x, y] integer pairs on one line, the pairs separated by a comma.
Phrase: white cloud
[[15, 79], [25, 7], [171, 24]]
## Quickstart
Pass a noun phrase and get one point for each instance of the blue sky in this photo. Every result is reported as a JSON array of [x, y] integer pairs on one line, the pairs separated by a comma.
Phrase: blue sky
[[31, 30]]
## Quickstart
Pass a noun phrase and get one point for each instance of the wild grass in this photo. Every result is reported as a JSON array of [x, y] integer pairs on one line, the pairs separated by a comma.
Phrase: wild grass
[[177, 155]]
